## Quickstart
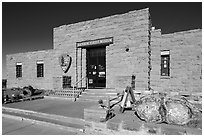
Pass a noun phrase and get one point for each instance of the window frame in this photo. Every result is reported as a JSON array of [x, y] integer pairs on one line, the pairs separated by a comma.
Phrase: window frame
[[19, 70], [40, 69], [165, 70], [66, 82]]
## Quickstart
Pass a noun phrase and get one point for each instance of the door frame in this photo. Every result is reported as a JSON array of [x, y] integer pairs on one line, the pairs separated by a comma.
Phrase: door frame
[[87, 67]]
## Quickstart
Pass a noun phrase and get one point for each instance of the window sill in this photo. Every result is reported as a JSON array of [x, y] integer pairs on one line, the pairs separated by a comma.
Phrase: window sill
[[164, 77]]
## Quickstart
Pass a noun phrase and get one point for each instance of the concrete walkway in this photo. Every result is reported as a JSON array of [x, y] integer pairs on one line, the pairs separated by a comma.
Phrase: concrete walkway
[[62, 107], [12, 125], [66, 113], [61, 112]]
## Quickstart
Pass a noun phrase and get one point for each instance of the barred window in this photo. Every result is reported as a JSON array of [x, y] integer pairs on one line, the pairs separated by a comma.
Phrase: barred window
[[165, 63], [66, 82], [40, 69], [18, 70]]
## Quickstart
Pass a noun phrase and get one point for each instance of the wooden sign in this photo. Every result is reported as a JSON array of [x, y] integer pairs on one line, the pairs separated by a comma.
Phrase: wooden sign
[[95, 42], [65, 62]]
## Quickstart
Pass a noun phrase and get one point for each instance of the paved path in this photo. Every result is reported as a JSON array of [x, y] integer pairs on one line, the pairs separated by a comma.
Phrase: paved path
[[16, 126], [62, 112], [76, 124], [63, 107]]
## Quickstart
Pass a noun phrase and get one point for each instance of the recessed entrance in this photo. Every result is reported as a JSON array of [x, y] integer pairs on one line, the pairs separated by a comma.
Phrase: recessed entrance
[[96, 67]]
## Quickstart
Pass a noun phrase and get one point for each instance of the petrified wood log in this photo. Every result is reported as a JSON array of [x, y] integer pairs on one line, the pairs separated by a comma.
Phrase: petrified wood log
[[158, 108]]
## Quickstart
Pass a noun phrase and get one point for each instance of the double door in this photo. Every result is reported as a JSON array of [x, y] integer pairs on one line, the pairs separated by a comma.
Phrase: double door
[[96, 67]]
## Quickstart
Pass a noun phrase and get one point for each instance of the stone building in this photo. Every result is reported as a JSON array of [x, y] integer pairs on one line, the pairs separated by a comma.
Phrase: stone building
[[113, 52]]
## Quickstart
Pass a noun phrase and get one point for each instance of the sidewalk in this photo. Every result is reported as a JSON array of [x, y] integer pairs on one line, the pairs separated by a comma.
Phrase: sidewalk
[[63, 112], [12, 125], [51, 110], [55, 106]]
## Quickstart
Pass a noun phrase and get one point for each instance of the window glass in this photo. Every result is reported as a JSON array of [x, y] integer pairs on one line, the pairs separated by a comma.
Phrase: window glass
[[66, 82], [18, 70], [165, 63], [40, 70]]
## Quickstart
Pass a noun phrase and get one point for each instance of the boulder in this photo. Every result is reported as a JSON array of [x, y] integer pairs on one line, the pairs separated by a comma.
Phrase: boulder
[[157, 108]]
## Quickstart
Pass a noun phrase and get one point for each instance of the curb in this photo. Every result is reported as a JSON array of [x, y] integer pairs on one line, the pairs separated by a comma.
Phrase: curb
[[69, 99], [80, 131], [59, 97]]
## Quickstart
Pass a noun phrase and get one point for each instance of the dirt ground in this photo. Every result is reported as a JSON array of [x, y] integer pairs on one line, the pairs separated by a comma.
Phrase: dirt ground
[[128, 123]]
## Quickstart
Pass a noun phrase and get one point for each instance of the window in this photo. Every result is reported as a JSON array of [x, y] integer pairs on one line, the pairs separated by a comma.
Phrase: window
[[165, 63], [40, 69], [18, 70], [66, 82]]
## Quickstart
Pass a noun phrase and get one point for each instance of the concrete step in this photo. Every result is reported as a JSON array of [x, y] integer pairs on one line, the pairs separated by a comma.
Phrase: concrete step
[[68, 93], [64, 95], [97, 94], [105, 102], [101, 90], [87, 94], [97, 98]]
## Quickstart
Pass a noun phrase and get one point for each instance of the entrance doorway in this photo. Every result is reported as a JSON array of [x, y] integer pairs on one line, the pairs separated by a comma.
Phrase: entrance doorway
[[96, 67]]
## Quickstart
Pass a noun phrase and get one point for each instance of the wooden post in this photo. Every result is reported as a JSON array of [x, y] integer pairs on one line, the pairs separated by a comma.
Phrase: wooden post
[[76, 74], [81, 67], [127, 91], [124, 100], [108, 103], [132, 95]]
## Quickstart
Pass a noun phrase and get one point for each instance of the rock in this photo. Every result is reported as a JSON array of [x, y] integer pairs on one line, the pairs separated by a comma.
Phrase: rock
[[158, 108], [147, 108]]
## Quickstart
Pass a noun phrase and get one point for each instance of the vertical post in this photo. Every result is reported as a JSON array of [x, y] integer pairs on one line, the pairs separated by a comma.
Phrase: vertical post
[[76, 72], [108, 99], [73, 93], [124, 100], [81, 68], [132, 95], [76, 65], [87, 82], [3, 96]]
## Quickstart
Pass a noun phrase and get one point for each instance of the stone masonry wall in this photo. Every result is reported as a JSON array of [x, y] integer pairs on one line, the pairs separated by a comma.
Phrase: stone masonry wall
[[127, 56], [129, 31], [29, 69], [155, 60], [185, 61]]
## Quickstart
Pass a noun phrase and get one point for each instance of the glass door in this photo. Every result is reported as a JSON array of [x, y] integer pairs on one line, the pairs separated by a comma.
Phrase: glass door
[[96, 67]]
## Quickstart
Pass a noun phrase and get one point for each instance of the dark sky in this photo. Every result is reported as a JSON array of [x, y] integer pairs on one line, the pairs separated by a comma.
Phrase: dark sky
[[28, 26]]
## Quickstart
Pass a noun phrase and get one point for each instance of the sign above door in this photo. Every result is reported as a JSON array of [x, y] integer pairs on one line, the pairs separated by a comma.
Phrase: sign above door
[[89, 43]]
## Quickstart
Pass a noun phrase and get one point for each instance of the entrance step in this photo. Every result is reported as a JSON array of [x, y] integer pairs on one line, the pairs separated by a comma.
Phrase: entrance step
[[67, 93], [99, 94], [104, 90]]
